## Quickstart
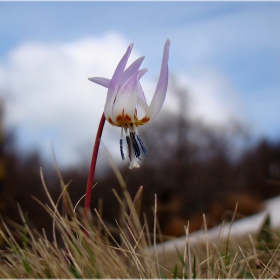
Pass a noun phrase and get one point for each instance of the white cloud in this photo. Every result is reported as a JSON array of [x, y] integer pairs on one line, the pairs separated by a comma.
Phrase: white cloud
[[214, 97], [210, 97]]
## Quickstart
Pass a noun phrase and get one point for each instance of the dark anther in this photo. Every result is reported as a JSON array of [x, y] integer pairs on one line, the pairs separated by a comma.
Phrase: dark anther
[[121, 148], [142, 145], [135, 145]]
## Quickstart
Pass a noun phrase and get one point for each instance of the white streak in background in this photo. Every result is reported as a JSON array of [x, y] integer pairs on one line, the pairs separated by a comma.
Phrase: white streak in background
[[49, 98], [238, 229]]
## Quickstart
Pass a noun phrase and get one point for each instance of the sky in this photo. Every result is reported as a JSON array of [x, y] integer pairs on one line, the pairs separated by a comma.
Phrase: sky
[[225, 54]]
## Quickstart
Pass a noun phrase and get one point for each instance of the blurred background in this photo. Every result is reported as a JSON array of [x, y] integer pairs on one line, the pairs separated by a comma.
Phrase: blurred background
[[216, 140]]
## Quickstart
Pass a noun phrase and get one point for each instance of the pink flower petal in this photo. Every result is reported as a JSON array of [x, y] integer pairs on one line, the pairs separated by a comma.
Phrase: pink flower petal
[[100, 81], [160, 92], [132, 69], [116, 78]]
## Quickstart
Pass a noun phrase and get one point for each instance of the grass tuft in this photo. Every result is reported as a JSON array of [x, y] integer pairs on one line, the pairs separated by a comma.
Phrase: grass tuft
[[82, 248]]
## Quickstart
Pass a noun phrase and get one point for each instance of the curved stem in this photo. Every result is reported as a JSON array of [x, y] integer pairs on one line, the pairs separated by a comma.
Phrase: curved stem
[[93, 164]]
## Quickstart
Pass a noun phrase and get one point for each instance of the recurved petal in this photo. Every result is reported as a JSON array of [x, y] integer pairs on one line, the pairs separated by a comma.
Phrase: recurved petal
[[140, 90], [142, 106], [132, 69], [100, 81], [142, 109], [116, 78], [160, 92]]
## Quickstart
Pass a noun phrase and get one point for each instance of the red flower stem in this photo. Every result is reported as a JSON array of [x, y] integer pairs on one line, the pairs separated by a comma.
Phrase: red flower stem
[[93, 164]]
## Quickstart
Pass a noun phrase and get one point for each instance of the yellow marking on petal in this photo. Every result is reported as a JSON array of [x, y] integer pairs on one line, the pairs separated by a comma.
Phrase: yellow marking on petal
[[127, 118], [110, 121], [143, 121], [119, 118], [124, 120]]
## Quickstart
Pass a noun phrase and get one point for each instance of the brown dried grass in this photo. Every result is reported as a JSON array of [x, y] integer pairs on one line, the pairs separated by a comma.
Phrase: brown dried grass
[[86, 251]]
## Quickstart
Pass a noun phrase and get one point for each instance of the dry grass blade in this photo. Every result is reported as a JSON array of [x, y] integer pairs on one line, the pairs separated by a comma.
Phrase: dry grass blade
[[155, 235], [207, 247], [138, 200], [134, 219], [187, 255], [256, 259], [67, 207], [272, 256], [230, 225], [247, 262], [269, 270], [232, 265]]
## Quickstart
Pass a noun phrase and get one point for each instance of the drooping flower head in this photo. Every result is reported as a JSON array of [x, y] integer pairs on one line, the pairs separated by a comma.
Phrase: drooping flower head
[[126, 105]]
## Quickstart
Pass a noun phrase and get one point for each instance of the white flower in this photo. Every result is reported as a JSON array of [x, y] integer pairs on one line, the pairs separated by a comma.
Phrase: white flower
[[126, 105]]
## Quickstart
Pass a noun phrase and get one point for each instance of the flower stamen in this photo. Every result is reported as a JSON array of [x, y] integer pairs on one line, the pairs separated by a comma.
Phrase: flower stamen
[[135, 145], [121, 149], [141, 145]]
